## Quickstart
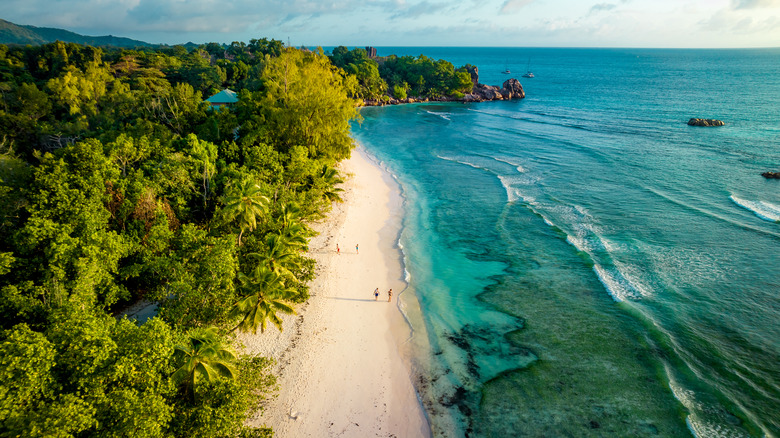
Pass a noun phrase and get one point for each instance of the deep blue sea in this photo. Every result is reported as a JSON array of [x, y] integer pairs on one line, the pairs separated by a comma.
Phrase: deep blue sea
[[587, 264]]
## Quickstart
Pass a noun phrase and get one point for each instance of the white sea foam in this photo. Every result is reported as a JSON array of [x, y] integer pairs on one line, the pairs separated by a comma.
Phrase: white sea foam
[[697, 267], [512, 194], [578, 242], [585, 236], [517, 166], [765, 210], [466, 163], [633, 278], [699, 426], [444, 116], [613, 286], [617, 285], [539, 209], [686, 398], [610, 246], [713, 214], [621, 281], [508, 182], [407, 274]]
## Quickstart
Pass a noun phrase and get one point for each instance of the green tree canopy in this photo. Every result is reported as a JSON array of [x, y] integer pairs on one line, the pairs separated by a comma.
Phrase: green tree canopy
[[305, 103]]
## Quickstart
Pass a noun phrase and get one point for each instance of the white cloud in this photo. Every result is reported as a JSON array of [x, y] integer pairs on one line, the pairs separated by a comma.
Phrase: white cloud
[[667, 23], [421, 9], [753, 4], [726, 22], [175, 15], [602, 7], [514, 5]]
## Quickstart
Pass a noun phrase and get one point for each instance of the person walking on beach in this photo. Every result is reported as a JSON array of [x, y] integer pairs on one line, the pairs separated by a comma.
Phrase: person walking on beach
[[389, 295], [376, 294], [338, 250], [357, 249]]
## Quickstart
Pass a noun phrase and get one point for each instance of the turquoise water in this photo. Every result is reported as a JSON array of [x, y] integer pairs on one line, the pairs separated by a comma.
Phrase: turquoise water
[[586, 263]]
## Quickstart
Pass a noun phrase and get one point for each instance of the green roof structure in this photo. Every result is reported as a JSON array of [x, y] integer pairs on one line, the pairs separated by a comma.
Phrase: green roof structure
[[224, 97]]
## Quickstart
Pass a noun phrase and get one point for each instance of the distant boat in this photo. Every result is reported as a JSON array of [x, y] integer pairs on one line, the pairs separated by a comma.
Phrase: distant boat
[[506, 69], [529, 73]]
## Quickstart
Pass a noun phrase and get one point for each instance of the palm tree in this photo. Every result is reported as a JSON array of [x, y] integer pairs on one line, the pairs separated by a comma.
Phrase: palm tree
[[267, 295], [206, 358], [205, 155], [294, 235], [292, 231], [246, 203], [280, 256], [331, 178], [289, 214]]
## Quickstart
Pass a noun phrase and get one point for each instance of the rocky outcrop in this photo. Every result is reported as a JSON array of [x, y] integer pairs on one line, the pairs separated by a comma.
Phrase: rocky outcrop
[[511, 89], [482, 92], [771, 175], [705, 122], [474, 73]]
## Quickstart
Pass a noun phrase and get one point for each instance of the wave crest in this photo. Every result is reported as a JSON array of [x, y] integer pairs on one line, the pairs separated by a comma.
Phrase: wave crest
[[764, 210]]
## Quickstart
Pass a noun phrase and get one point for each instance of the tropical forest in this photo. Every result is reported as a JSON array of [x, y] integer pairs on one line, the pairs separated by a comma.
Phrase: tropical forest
[[121, 184]]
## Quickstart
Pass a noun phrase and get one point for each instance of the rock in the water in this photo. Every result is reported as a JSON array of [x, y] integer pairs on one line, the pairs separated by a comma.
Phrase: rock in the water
[[771, 175], [705, 122], [512, 89], [484, 92]]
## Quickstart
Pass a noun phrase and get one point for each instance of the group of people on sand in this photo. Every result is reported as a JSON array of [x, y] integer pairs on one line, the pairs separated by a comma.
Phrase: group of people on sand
[[389, 295], [357, 249], [376, 291]]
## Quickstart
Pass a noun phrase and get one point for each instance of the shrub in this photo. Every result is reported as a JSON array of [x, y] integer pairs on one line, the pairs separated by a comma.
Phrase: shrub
[[399, 92]]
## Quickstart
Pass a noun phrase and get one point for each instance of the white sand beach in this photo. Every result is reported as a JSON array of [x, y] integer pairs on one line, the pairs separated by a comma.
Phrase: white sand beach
[[341, 366]]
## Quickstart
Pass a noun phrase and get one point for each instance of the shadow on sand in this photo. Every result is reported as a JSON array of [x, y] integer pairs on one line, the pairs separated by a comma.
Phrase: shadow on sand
[[351, 299]]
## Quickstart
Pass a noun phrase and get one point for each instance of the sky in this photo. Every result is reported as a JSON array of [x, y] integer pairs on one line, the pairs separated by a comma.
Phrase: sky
[[480, 23]]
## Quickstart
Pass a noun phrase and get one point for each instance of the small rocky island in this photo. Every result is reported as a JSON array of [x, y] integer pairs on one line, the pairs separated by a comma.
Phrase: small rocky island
[[705, 122], [510, 89], [771, 175]]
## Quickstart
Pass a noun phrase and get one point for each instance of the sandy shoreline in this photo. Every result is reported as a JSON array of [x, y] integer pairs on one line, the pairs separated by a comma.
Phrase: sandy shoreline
[[341, 362]]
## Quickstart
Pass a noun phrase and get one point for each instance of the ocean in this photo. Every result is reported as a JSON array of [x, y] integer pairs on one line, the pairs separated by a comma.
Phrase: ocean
[[585, 263]]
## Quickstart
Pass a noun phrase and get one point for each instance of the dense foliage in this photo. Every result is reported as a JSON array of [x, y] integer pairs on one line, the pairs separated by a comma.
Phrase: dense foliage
[[118, 185], [405, 76]]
